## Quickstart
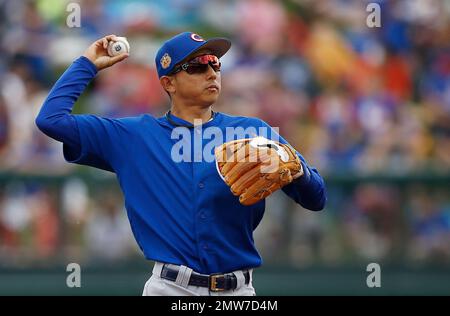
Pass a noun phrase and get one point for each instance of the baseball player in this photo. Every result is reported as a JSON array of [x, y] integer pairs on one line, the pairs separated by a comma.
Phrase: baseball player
[[193, 217]]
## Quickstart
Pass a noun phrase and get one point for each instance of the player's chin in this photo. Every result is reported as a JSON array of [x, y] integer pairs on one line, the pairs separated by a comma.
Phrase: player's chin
[[211, 95]]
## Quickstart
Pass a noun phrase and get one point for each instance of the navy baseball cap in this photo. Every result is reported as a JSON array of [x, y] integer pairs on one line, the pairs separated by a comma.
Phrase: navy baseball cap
[[183, 45]]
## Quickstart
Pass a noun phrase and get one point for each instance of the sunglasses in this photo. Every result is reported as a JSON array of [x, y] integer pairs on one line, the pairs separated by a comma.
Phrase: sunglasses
[[199, 65]]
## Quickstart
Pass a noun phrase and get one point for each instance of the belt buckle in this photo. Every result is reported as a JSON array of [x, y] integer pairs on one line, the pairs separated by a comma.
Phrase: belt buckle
[[213, 282]]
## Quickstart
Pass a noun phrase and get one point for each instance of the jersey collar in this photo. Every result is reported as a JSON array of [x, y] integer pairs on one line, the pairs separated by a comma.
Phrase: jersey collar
[[175, 121]]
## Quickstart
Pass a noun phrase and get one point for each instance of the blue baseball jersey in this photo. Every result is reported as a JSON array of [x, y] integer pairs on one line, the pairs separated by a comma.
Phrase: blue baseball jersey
[[180, 210]]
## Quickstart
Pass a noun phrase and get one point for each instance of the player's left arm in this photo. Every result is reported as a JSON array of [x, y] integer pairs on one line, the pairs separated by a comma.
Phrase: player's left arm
[[308, 189]]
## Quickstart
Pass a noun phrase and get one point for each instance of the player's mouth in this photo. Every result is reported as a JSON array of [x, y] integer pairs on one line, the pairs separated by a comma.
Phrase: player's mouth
[[213, 88]]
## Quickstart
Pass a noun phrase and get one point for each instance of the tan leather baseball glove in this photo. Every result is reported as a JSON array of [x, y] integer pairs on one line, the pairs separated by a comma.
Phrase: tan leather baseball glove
[[256, 167]]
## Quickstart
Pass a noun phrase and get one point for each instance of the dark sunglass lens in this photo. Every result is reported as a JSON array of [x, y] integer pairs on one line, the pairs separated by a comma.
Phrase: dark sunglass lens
[[196, 69]]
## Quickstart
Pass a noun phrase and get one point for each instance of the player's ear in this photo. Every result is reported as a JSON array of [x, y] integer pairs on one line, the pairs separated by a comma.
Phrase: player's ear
[[167, 82]]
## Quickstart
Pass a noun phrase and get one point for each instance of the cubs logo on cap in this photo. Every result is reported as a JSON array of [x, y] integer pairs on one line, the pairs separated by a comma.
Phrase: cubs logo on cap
[[165, 61], [197, 37]]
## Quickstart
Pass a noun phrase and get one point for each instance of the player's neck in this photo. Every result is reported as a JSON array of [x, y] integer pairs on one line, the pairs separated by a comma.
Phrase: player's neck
[[192, 113]]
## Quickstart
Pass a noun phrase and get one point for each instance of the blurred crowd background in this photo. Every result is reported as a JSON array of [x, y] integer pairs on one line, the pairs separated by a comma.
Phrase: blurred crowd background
[[369, 107]]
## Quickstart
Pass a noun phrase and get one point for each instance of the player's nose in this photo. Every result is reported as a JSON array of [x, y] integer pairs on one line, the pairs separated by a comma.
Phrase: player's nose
[[211, 74]]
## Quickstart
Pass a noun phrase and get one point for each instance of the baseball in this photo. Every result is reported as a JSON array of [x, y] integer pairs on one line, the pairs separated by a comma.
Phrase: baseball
[[118, 47]]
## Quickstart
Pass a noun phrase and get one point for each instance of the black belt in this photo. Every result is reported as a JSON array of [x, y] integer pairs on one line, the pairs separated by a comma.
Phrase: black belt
[[215, 282]]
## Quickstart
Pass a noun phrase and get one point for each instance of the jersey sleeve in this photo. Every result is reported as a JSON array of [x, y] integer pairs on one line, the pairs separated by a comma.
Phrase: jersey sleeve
[[309, 190], [88, 139], [104, 142]]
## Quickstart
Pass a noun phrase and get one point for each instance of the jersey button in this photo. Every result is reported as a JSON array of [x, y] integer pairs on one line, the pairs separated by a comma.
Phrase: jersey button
[[201, 185]]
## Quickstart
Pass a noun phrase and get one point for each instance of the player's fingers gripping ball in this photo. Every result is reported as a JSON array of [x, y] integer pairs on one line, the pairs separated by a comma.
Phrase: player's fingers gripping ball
[[256, 167], [118, 47]]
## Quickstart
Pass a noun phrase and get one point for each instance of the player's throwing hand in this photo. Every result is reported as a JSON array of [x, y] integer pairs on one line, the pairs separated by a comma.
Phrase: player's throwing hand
[[97, 53]]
